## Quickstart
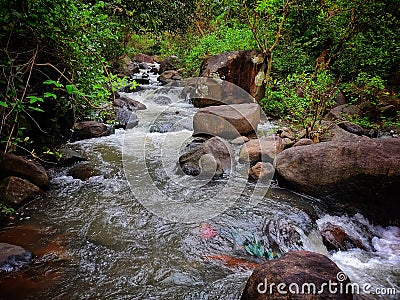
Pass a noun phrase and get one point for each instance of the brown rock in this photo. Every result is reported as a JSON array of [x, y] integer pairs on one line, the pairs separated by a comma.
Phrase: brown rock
[[17, 191], [261, 171], [342, 112], [168, 76], [170, 63], [12, 165], [262, 149], [286, 132], [356, 129], [228, 121], [144, 58], [303, 142], [90, 129], [128, 67], [69, 157], [332, 132], [130, 103], [340, 99], [237, 67], [335, 238], [82, 171], [363, 170], [301, 269], [287, 143], [240, 140]]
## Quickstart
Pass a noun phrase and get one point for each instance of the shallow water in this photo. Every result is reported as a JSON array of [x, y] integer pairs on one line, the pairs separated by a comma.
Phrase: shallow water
[[137, 230]]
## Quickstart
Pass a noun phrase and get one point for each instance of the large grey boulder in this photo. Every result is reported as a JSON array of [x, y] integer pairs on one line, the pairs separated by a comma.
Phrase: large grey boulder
[[227, 121], [360, 170], [212, 156]]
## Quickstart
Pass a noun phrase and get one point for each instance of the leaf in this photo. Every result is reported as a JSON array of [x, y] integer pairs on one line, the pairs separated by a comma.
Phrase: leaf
[[34, 99], [56, 83], [36, 109], [50, 95], [71, 88], [4, 104]]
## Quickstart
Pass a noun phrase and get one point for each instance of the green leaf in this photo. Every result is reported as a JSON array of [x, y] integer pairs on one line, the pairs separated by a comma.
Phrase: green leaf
[[36, 109], [56, 83], [50, 95], [4, 104]]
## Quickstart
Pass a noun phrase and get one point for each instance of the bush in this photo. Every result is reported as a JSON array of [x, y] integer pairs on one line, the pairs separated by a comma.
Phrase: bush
[[303, 99]]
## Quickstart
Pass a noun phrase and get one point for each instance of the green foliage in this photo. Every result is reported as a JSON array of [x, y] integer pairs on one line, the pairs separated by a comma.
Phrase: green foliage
[[6, 211], [301, 98], [54, 60], [369, 92], [256, 247]]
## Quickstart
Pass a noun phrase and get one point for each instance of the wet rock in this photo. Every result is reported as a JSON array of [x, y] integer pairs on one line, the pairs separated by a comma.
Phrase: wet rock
[[130, 88], [17, 191], [262, 149], [363, 170], [13, 165], [261, 171], [13, 257], [296, 269], [126, 118], [228, 121], [130, 103], [214, 155], [237, 67], [128, 67], [240, 140], [144, 58], [356, 129], [82, 171], [141, 79], [90, 129], [69, 157], [342, 112], [169, 76], [39, 240], [335, 238], [283, 235], [303, 142], [170, 63], [162, 100], [197, 141], [144, 66], [161, 127]]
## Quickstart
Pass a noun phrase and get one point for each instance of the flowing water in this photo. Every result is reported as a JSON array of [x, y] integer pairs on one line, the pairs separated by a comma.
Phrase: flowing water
[[140, 231]]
